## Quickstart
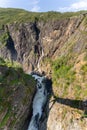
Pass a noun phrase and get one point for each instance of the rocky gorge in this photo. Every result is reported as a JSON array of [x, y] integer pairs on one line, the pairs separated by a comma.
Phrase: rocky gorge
[[57, 48]]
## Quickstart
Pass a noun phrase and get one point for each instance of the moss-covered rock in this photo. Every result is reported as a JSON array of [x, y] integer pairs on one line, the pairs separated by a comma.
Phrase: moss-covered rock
[[16, 93]]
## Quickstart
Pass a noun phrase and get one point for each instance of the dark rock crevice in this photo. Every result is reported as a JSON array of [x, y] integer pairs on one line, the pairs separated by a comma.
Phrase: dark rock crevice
[[10, 46], [37, 30], [27, 40]]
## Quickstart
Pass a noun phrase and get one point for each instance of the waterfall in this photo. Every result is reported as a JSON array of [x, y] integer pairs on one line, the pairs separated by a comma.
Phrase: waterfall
[[38, 65], [38, 102], [40, 97]]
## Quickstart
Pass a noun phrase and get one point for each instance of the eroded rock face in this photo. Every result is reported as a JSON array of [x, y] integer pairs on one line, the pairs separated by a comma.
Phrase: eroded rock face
[[16, 94], [25, 45], [64, 118], [59, 116], [55, 38], [26, 41]]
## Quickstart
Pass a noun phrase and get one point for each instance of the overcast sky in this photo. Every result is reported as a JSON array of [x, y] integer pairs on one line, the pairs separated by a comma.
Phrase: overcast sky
[[46, 5]]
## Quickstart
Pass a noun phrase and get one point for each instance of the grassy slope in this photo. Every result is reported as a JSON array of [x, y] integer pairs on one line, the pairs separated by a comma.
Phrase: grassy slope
[[10, 15], [13, 79], [70, 70], [62, 70]]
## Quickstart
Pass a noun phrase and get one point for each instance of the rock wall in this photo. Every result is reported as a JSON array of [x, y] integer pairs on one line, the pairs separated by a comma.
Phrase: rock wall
[[55, 38], [26, 41], [16, 94]]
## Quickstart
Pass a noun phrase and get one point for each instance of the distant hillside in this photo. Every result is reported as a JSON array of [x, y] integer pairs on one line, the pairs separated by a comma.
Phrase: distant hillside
[[10, 15]]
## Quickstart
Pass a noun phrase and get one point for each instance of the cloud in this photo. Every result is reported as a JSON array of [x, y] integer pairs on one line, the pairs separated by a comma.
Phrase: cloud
[[34, 2], [35, 6], [32, 5], [80, 5], [35, 9], [5, 3]]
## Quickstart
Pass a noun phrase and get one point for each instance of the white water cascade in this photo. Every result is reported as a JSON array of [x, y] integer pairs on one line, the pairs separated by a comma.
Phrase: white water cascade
[[38, 102], [38, 65]]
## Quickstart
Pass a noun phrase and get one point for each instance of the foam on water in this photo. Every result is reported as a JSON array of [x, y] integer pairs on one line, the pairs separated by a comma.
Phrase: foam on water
[[38, 102]]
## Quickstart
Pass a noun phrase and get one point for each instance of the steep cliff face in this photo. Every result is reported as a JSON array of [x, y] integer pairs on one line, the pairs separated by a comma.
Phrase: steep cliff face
[[60, 47], [26, 41], [16, 94], [22, 44], [66, 110]]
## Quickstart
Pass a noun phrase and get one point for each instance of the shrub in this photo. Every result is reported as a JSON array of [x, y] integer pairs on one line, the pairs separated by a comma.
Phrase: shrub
[[61, 70], [3, 38]]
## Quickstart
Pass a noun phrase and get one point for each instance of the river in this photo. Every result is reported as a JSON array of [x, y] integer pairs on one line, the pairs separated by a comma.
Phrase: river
[[39, 101]]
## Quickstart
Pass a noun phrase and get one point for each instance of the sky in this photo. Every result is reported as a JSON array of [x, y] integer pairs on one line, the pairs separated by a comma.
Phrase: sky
[[46, 5]]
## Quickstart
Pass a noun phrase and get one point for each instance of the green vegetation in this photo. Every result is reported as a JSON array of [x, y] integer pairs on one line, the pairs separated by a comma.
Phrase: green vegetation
[[5, 119], [12, 79], [78, 91], [4, 37], [62, 71], [85, 22], [14, 74], [85, 115], [66, 80], [85, 57], [84, 68], [63, 75], [9, 63], [10, 15]]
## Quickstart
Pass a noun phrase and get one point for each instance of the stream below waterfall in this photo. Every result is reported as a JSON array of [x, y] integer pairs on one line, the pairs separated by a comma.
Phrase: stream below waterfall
[[40, 98], [39, 101]]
